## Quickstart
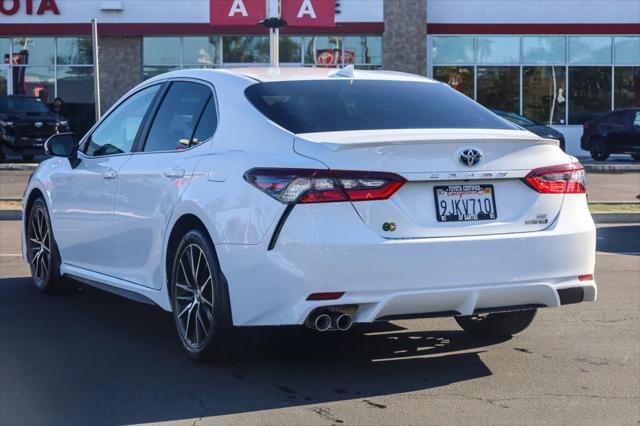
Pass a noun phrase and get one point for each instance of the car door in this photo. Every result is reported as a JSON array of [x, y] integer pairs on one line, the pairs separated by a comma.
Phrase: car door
[[616, 132], [83, 196], [152, 182]]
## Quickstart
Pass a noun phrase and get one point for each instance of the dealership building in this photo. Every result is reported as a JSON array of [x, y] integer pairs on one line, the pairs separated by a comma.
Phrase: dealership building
[[558, 62]]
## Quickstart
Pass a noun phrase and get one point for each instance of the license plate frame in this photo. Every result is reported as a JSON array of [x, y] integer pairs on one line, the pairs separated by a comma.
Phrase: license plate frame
[[473, 210]]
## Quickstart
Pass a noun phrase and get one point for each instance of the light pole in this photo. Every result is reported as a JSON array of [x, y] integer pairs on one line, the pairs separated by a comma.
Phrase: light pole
[[274, 22]]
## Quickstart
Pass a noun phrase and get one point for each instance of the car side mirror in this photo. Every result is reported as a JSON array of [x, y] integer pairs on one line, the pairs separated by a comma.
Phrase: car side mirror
[[63, 145]]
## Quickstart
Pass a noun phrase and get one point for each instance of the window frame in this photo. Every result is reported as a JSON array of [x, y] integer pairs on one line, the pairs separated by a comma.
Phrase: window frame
[[117, 105], [140, 143]]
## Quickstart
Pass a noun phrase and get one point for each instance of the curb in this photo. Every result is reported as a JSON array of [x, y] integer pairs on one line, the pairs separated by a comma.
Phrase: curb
[[611, 168], [10, 214], [616, 217], [13, 166]]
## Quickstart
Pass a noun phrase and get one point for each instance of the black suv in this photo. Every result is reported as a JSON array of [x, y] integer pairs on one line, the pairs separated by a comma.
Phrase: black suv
[[617, 132], [25, 123]]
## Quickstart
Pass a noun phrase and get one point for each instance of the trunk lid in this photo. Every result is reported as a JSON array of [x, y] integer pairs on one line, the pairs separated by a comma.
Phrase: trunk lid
[[429, 159]]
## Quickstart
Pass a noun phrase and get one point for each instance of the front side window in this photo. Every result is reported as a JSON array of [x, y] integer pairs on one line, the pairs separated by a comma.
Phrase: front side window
[[117, 133], [174, 124], [343, 105]]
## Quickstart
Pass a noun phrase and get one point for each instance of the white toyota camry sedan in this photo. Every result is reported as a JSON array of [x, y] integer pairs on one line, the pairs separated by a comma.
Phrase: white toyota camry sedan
[[252, 197]]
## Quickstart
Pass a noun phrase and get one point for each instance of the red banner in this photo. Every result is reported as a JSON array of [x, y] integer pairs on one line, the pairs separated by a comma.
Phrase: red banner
[[237, 12], [309, 13]]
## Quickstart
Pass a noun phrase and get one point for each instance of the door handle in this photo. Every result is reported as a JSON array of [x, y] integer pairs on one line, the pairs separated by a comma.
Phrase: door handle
[[110, 174], [174, 173]]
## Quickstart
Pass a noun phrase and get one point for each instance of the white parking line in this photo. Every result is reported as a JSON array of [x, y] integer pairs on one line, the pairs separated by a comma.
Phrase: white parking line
[[10, 254]]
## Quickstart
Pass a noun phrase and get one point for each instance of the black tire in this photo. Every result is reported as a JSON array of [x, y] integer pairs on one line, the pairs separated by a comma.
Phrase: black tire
[[199, 311], [635, 157], [599, 150], [42, 250], [27, 158], [501, 324]]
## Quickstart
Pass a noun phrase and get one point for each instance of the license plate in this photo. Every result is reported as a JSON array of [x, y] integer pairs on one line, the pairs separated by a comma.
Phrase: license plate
[[464, 203]]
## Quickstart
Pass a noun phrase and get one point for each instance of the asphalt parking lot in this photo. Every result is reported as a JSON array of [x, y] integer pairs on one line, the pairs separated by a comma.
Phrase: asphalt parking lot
[[88, 357]]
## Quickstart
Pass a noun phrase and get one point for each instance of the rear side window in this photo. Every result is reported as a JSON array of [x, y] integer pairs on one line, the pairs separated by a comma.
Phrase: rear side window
[[339, 105], [175, 122]]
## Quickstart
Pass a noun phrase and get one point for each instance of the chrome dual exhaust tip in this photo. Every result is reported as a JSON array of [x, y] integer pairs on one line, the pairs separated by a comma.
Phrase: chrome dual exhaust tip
[[329, 319], [342, 321], [322, 322]]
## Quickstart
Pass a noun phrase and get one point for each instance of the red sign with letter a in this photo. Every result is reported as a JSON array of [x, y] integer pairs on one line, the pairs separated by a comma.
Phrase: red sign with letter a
[[309, 13], [237, 12], [297, 13]]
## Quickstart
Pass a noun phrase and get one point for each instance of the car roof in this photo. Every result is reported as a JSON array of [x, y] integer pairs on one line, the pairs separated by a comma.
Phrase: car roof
[[267, 74]]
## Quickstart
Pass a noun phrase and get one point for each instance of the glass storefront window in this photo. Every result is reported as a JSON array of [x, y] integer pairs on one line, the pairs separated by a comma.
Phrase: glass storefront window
[[544, 50], [499, 88], [246, 49], [4, 67], [544, 94], [453, 50], [627, 90], [362, 50], [460, 78], [290, 49], [200, 52], [590, 93], [627, 50], [499, 50], [34, 81], [33, 50], [324, 51], [75, 88], [149, 71], [161, 50], [590, 50], [74, 50]]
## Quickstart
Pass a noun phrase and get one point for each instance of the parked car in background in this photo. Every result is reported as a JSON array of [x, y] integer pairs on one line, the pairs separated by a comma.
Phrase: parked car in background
[[532, 126], [25, 123], [617, 132]]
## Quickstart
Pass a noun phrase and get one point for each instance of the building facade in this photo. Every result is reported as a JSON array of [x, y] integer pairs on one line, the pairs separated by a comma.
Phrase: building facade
[[558, 62]]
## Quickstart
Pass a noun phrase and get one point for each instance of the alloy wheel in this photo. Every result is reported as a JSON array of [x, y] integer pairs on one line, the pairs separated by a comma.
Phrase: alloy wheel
[[193, 296], [39, 246]]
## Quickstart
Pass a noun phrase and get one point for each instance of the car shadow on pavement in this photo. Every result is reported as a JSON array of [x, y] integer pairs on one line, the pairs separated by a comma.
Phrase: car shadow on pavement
[[89, 357], [619, 239]]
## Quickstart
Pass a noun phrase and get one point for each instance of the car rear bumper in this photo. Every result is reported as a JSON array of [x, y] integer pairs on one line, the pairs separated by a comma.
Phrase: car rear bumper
[[327, 248]]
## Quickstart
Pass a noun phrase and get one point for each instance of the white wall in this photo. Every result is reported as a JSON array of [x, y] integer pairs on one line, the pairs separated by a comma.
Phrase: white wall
[[533, 11]]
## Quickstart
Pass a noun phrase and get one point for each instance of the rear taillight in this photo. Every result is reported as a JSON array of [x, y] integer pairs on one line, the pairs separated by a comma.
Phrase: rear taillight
[[300, 186], [564, 179]]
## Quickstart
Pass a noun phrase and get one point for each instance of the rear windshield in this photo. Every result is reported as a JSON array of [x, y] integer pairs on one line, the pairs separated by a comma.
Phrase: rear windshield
[[17, 105], [339, 105]]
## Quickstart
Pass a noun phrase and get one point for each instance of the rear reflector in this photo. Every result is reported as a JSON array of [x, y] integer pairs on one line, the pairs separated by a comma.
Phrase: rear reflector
[[587, 277], [301, 186], [326, 296], [563, 179]]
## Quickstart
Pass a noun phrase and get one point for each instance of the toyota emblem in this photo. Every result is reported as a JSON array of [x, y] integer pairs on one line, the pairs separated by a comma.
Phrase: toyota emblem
[[470, 157], [38, 124]]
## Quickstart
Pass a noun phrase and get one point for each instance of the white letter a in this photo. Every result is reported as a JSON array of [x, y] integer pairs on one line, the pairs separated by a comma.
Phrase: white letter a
[[238, 7], [307, 9]]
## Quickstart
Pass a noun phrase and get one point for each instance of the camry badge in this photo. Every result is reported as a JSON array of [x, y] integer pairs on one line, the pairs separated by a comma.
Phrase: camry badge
[[470, 157], [38, 124]]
